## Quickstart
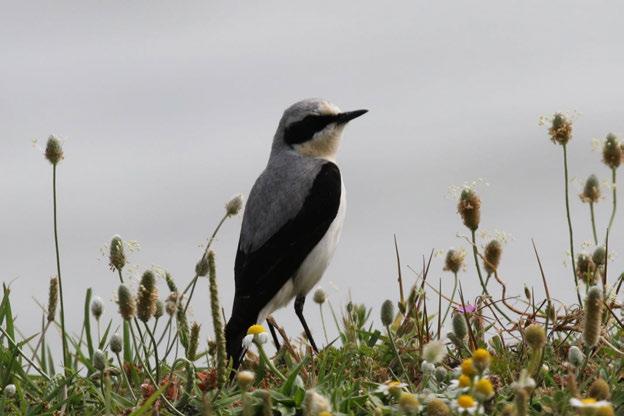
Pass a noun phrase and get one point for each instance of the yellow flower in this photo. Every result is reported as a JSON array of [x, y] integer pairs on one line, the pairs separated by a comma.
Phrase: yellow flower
[[481, 358], [468, 368], [325, 413], [466, 402], [605, 411], [409, 402], [464, 381], [484, 389], [255, 329]]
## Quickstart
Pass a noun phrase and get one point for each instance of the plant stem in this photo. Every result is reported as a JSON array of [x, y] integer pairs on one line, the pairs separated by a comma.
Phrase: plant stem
[[396, 352], [593, 222], [613, 185], [58, 272], [323, 322], [571, 233], [156, 362], [448, 308], [269, 362], [125, 376]]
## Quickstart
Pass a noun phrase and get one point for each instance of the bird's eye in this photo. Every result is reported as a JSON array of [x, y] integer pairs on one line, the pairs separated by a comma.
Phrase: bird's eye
[[303, 130]]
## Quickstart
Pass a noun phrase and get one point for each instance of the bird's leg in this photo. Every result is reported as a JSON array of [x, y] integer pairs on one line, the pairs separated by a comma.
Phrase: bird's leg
[[299, 301], [274, 335]]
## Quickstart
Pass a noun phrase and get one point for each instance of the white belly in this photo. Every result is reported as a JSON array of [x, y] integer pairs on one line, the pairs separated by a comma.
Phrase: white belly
[[313, 267]]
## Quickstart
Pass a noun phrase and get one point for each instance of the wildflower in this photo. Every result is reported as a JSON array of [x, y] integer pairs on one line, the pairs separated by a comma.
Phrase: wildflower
[[409, 403], [492, 254], [481, 359], [116, 343], [99, 360], [171, 304], [467, 308], [9, 390], [575, 356], [207, 380], [234, 205], [588, 403], [466, 404], [600, 256], [170, 283], [319, 296], [599, 390], [117, 257], [535, 336], [591, 191], [606, 410], [52, 298], [484, 389], [427, 367], [469, 208], [147, 296], [97, 307], [314, 403], [387, 313], [454, 260], [560, 130], [586, 269], [394, 388], [463, 382], [256, 333], [525, 382], [468, 368], [611, 152], [434, 352], [437, 407], [127, 304], [593, 316], [245, 379], [54, 150]]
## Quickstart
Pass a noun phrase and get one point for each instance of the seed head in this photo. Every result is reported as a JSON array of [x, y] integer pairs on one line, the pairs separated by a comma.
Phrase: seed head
[[527, 292], [193, 342], [600, 256], [170, 283], [245, 379], [599, 390], [319, 296], [126, 302], [116, 343], [493, 251], [593, 316], [97, 307], [560, 130], [234, 205], [117, 257], [387, 313], [454, 260], [535, 336], [586, 269], [591, 191], [469, 208], [99, 360], [575, 356], [409, 403], [612, 152], [9, 391], [160, 309], [201, 268], [147, 296], [52, 298], [434, 352], [459, 326], [171, 304], [437, 407], [54, 150]]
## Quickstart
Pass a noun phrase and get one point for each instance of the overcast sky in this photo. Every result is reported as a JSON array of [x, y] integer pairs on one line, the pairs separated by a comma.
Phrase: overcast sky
[[167, 109]]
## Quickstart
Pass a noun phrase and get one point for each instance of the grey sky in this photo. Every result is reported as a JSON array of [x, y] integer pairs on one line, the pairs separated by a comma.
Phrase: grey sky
[[168, 109]]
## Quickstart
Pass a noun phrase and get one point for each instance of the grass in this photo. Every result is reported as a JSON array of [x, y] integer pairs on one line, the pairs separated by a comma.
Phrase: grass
[[434, 354]]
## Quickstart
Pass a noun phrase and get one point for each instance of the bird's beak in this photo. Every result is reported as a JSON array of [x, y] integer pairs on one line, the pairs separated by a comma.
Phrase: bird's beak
[[349, 115]]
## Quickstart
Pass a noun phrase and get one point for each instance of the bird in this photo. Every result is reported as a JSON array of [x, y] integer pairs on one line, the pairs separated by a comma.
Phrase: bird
[[292, 220]]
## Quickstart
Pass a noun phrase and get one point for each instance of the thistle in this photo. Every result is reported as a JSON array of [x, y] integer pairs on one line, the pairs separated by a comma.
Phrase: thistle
[[147, 296], [469, 208], [492, 254], [126, 302], [593, 316], [52, 298], [117, 257]]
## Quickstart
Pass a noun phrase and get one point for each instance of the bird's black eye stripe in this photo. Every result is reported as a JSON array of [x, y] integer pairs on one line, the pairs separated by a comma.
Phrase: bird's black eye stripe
[[303, 130]]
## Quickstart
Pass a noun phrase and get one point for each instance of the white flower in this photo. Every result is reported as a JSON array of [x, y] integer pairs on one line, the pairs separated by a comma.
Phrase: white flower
[[434, 352], [465, 403], [314, 404], [391, 387], [588, 403], [256, 333]]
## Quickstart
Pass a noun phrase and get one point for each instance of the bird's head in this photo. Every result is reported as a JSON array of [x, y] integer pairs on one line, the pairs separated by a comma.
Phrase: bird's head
[[313, 128]]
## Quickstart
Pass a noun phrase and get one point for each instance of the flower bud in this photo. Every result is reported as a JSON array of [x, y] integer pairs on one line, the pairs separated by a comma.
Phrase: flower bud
[[126, 302], [459, 326], [586, 269], [599, 390], [170, 283], [441, 373], [99, 360], [469, 208], [560, 130], [52, 298], [600, 256], [117, 257], [193, 342], [234, 205], [97, 307], [245, 379], [54, 150], [9, 390], [535, 336], [593, 316], [575, 356], [387, 313], [319, 296], [147, 296], [611, 152], [492, 254], [116, 343], [454, 260], [591, 191]]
